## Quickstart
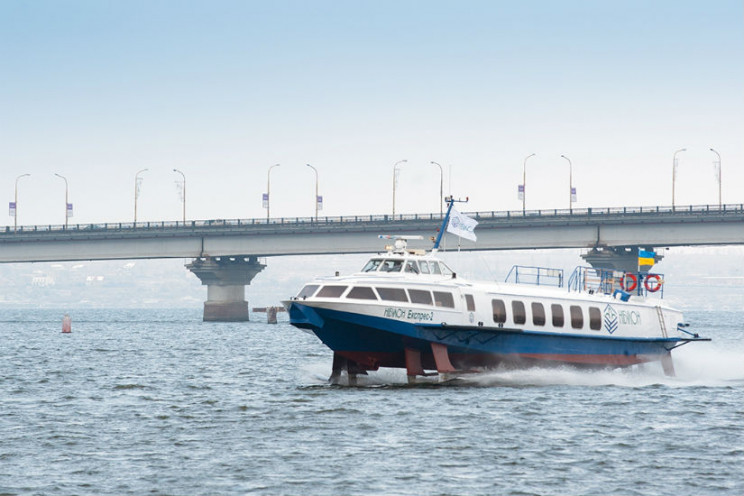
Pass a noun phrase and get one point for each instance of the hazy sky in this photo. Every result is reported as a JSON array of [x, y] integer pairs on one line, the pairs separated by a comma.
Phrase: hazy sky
[[96, 90]]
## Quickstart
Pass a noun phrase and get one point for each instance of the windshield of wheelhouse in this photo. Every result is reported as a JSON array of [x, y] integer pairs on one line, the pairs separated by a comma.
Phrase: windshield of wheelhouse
[[372, 265], [435, 267], [383, 265], [446, 271], [393, 265]]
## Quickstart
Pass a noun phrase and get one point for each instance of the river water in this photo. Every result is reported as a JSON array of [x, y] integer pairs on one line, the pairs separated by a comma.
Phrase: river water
[[158, 402]]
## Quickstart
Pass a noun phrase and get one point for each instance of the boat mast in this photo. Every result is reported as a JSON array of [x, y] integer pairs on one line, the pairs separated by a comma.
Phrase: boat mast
[[450, 202]]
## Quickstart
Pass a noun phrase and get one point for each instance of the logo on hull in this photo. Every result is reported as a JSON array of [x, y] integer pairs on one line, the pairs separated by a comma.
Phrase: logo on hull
[[610, 319]]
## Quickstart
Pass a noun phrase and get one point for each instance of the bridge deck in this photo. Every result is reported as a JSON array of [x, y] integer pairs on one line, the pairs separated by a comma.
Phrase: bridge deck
[[577, 228]]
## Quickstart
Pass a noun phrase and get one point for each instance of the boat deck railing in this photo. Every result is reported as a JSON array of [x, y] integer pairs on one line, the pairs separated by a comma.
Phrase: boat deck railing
[[616, 283], [539, 276]]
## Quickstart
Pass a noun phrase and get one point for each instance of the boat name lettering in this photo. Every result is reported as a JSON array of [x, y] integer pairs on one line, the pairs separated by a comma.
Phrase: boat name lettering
[[395, 313], [420, 315], [401, 313], [629, 317]]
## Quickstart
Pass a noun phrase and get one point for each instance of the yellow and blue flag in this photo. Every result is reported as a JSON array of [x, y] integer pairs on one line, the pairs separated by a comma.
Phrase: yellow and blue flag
[[646, 258]]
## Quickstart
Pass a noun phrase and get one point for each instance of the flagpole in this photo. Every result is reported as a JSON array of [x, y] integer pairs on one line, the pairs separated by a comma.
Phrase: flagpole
[[395, 180], [66, 196], [136, 192], [15, 202], [570, 183], [184, 193], [720, 204], [674, 172], [451, 202], [441, 188], [524, 183]]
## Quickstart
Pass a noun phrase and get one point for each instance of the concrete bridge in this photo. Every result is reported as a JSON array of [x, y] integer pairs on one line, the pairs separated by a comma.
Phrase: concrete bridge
[[225, 253]]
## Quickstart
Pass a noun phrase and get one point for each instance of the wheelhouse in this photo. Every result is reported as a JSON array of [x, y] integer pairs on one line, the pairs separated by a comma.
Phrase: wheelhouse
[[407, 265]]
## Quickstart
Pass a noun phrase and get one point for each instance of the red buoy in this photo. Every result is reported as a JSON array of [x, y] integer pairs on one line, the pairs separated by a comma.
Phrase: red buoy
[[66, 324]]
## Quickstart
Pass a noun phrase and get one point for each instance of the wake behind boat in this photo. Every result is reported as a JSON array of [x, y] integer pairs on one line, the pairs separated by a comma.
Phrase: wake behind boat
[[408, 309]]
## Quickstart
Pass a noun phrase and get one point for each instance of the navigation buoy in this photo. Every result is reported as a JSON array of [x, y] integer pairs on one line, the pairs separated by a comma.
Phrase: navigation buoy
[[66, 324]]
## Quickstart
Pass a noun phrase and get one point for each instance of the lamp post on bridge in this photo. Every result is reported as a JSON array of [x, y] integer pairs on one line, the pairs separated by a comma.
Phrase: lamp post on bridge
[[571, 192], [395, 180], [137, 182], [267, 196], [674, 172], [15, 203], [441, 188], [524, 183], [67, 204], [183, 193], [317, 198], [720, 203]]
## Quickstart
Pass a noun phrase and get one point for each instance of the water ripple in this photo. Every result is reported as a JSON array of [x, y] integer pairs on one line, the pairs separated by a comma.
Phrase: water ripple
[[150, 402]]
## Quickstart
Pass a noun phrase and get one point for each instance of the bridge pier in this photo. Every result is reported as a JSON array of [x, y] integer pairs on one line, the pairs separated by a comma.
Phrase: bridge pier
[[226, 279], [621, 258]]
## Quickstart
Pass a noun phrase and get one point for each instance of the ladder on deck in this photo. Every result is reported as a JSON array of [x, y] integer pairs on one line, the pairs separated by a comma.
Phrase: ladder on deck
[[662, 323]]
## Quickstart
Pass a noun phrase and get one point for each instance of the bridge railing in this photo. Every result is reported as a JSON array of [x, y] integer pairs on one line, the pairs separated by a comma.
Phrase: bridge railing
[[737, 208]]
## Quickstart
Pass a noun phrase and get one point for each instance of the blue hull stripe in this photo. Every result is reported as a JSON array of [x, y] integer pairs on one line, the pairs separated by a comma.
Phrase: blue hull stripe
[[344, 331]]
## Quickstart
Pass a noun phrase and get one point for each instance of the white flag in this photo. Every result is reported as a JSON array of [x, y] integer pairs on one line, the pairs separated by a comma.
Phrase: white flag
[[462, 225]]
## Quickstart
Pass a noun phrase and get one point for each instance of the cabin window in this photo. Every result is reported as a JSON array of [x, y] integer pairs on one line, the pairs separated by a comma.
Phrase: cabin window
[[392, 294], [499, 311], [442, 299], [445, 270], [557, 312], [435, 268], [420, 296], [538, 314], [391, 265], [470, 302], [308, 291], [595, 319], [519, 313], [424, 267], [412, 267], [362, 293], [372, 265], [331, 291], [577, 317]]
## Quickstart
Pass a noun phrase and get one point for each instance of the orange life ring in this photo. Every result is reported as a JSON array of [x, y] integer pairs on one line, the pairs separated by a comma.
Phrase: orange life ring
[[653, 288], [631, 285]]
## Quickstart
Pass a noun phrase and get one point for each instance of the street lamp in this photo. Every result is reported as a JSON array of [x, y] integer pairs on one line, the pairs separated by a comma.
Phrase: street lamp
[[441, 191], [268, 193], [316, 190], [184, 193], [570, 183], [674, 172], [15, 203], [720, 203], [524, 183], [66, 201], [395, 180], [137, 182]]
